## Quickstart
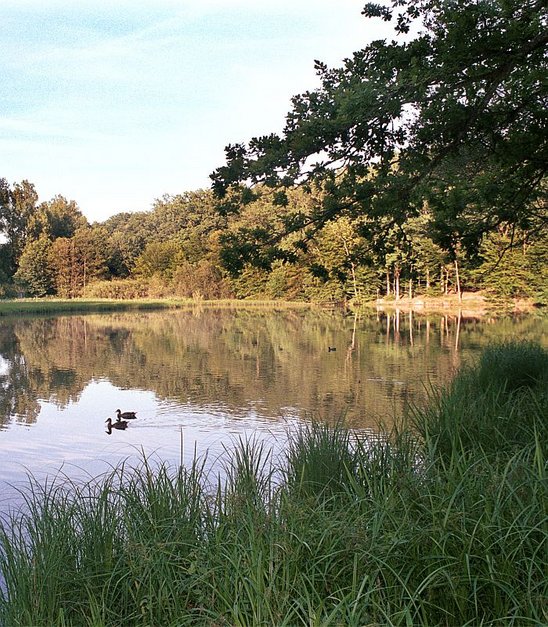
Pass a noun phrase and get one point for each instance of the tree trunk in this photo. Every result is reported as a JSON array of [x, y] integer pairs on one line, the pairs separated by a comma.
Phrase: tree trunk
[[443, 287], [458, 280], [352, 269], [411, 327]]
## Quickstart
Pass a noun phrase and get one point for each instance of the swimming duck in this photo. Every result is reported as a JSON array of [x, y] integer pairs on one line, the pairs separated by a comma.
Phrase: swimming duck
[[127, 415], [119, 424]]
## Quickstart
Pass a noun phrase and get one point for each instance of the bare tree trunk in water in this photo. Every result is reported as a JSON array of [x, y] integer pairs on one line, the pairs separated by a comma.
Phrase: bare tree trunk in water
[[353, 340], [411, 327], [457, 335]]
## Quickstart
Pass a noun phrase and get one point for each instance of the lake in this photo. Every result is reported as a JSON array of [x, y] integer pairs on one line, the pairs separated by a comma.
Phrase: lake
[[201, 378]]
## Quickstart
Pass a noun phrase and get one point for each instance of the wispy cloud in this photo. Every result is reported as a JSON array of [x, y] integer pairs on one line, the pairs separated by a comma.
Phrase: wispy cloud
[[25, 129], [115, 88]]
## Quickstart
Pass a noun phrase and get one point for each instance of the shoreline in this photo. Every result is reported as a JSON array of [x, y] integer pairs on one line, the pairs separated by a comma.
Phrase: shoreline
[[472, 304], [109, 305]]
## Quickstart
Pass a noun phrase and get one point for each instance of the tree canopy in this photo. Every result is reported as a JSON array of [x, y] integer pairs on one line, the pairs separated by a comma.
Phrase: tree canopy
[[415, 167], [451, 115]]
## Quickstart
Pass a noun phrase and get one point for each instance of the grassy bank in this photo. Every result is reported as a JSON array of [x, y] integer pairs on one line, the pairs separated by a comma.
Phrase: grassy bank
[[62, 306], [82, 305], [444, 524]]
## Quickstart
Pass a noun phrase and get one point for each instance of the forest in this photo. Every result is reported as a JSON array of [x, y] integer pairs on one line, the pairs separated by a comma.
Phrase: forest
[[417, 167], [185, 248]]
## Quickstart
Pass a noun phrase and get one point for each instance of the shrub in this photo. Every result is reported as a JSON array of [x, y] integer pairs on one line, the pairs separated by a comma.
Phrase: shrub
[[118, 289]]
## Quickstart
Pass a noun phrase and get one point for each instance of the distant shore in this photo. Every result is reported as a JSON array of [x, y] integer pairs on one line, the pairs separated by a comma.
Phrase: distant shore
[[471, 303], [106, 305]]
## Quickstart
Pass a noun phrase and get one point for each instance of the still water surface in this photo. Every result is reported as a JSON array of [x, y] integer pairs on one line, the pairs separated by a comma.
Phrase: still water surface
[[199, 379]]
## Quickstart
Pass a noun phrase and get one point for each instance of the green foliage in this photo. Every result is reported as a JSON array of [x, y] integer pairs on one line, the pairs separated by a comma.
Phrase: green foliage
[[191, 212], [17, 205], [337, 251], [452, 116], [513, 266], [319, 288], [285, 282], [493, 408], [128, 236], [79, 260], [35, 275], [158, 258], [203, 279], [60, 217], [250, 283]]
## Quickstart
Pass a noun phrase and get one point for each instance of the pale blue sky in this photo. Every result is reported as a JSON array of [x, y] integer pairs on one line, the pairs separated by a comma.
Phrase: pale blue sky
[[115, 103]]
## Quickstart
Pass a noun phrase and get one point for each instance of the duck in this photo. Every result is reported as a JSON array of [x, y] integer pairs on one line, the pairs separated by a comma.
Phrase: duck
[[119, 424], [126, 415]]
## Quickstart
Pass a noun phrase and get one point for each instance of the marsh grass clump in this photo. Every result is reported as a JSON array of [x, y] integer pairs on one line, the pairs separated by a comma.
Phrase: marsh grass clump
[[494, 407], [320, 460], [112, 551], [512, 366], [436, 528]]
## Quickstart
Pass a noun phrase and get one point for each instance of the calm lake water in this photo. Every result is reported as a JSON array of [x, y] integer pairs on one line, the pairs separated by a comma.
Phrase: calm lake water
[[199, 379]]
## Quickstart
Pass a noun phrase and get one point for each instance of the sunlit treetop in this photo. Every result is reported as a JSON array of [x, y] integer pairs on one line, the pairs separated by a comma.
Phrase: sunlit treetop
[[452, 113]]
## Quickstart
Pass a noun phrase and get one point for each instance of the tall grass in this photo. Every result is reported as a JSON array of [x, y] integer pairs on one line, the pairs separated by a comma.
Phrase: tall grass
[[493, 407], [398, 530]]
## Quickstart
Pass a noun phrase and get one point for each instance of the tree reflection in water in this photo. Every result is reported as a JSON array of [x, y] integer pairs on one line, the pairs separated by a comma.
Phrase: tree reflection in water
[[269, 360]]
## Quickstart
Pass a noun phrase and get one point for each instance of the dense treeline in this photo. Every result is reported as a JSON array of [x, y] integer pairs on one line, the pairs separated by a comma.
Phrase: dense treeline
[[419, 166], [431, 146], [185, 247]]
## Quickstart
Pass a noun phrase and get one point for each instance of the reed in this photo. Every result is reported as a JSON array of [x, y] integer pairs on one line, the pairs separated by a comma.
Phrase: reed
[[388, 530], [493, 407]]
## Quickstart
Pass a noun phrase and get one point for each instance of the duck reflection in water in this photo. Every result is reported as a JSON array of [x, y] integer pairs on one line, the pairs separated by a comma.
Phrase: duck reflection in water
[[119, 424], [126, 415]]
